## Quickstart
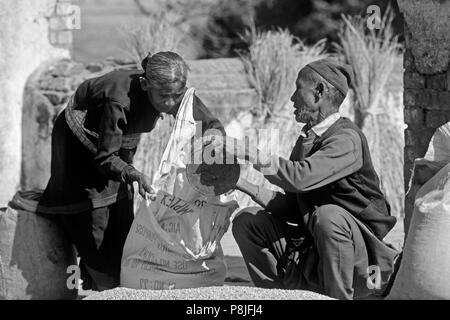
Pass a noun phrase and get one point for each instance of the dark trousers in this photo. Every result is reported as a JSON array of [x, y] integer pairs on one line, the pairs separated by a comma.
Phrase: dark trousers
[[340, 254], [99, 236]]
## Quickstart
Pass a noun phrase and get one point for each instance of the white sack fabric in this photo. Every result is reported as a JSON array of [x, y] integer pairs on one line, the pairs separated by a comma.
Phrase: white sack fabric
[[425, 267], [174, 241]]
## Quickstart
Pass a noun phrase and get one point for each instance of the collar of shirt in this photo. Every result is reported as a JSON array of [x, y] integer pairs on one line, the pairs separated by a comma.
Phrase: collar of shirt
[[320, 128]]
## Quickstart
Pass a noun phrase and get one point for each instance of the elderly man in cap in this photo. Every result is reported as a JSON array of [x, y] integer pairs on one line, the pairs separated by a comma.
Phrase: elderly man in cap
[[325, 232]]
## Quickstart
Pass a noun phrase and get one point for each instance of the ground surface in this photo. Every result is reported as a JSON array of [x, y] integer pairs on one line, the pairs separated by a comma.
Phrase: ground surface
[[237, 272], [209, 293]]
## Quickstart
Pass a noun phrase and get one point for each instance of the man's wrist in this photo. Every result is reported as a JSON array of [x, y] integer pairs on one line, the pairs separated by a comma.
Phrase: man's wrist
[[247, 187], [129, 174]]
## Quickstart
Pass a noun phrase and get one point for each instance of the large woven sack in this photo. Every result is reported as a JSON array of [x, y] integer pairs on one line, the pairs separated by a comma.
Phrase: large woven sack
[[174, 242], [436, 157], [425, 267], [34, 253], [439, 146]]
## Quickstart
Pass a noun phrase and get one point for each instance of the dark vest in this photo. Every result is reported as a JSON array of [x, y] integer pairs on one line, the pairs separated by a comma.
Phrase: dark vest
[[358, 193]]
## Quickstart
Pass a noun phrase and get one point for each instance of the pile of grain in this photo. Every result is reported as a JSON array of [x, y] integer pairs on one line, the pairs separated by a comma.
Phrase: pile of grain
[[208, 293]]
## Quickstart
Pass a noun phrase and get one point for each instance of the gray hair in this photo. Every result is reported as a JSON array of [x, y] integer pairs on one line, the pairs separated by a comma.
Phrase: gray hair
[[165, 67]]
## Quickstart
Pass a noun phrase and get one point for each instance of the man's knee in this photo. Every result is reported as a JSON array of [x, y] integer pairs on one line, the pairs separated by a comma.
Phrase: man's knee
[[246, 219], [329, 219]]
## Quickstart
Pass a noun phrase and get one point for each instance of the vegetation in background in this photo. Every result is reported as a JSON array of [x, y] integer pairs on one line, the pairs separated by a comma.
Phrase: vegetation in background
[[214, 26], [226, 22], [310, 20], [272, 63], [191, 19], [374, 55], [158, 32]]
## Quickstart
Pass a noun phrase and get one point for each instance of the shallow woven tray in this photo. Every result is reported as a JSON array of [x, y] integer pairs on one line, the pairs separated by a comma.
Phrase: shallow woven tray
[[213, 179]]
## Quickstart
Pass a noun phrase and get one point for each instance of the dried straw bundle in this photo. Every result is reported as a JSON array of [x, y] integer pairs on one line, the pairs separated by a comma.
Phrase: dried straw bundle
[[272, 62], [374, 55], [157, 32]]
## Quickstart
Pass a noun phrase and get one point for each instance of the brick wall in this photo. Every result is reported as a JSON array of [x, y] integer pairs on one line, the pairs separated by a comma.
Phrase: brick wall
[[427, 107], [426, 78], [63, 20]]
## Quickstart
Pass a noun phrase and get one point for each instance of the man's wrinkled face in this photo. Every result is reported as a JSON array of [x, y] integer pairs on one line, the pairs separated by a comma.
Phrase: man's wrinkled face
[[167, 98], [306, 103]]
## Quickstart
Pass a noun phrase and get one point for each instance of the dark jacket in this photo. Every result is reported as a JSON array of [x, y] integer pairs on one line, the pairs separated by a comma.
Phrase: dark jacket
[[338, 170], [116, 107]]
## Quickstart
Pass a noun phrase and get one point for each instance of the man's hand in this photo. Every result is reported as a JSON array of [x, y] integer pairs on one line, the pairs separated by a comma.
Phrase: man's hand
[[259, 194], [130, 175], [247, 187], [239, 149], [232, 146], [145, 188]]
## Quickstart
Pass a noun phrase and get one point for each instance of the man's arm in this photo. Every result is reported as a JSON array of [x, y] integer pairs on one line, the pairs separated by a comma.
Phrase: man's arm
[[112, 124], [281, 205], [340, 156], [107, 160]]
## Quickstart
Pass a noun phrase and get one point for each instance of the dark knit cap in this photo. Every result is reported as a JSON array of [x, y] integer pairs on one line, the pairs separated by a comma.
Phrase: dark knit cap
[[340, 76]]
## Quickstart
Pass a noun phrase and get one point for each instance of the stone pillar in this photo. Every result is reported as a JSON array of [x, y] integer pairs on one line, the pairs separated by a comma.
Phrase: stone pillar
[[426, 78], [25, 43]]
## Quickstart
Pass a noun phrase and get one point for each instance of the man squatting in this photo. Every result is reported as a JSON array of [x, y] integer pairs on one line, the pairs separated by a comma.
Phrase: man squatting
[[327, 228]]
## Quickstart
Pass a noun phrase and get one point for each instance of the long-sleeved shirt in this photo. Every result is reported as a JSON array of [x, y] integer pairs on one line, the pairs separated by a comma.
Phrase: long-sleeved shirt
[[340, 156], [303, 172], [116, 107], [337, 170]]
